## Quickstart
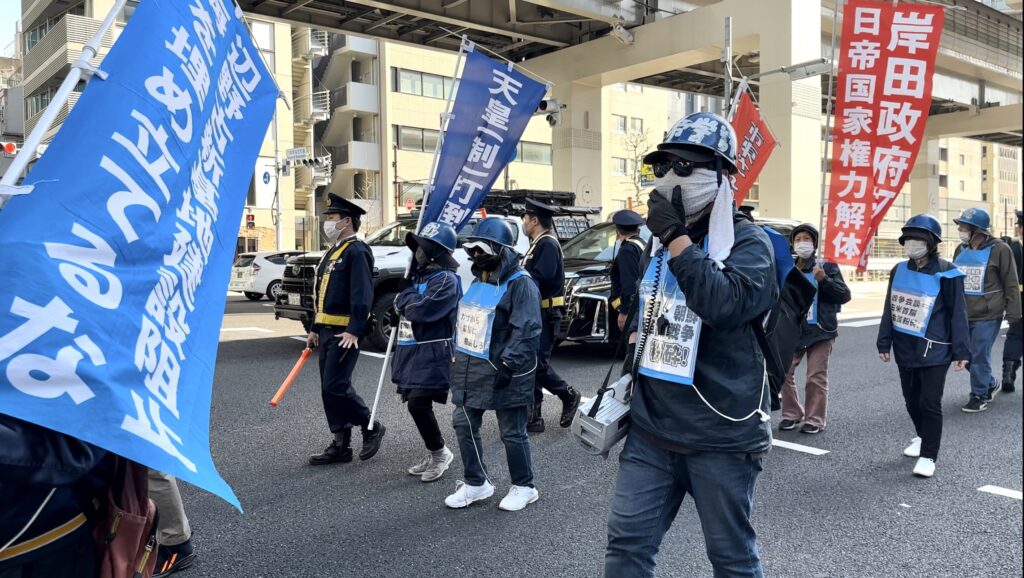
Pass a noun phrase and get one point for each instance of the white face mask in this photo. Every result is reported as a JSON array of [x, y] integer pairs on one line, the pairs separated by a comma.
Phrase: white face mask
[[331, 230], [804, 249], [915, 249], [965, 237]]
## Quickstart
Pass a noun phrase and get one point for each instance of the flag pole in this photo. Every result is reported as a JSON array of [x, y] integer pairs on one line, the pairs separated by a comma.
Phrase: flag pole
[[823, 203], [465, 47], [81, 68]]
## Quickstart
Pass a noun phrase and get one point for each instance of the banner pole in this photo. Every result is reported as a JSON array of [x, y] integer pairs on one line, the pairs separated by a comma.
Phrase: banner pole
[[466, 46], [823, 203], [80, 68]]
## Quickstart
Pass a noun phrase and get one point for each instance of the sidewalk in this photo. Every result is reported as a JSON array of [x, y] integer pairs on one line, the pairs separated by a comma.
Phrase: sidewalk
[[868, 300]]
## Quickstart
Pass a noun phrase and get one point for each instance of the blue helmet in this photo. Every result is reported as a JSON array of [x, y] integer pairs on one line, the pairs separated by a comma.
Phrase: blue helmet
[[924, 222], [699, 137], [977, 218], [440, 233], [496, 230]]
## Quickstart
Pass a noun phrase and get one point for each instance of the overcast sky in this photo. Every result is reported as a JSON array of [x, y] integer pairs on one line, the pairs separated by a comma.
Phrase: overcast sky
[[10, 13]]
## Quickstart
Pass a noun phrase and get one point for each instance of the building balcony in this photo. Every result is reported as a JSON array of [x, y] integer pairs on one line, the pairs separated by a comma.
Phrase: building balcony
[[52, 56], [65, 109], [348, 49], [309, 44], [355, 46], [307, 179], [358, 156], [356, 98]]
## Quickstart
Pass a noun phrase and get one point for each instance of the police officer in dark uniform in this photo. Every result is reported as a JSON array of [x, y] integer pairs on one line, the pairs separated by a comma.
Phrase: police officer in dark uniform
[[625, 272], [343, 296], [543, 261], [1012, 349]]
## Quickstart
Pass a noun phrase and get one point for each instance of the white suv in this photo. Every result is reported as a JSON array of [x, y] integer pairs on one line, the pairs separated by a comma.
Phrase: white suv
[[259, 274]]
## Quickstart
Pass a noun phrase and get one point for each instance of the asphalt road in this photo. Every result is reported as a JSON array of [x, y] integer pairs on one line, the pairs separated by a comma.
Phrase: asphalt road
[[854, 511]]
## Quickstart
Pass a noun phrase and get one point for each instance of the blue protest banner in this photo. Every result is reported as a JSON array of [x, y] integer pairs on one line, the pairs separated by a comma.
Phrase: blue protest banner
[[109, 330], [492, 107]]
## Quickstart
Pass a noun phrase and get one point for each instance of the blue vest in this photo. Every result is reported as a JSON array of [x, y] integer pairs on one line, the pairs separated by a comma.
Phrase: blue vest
[[973, 263], [670, 351], [912, 298], [812, 313], [405, 335], [476, 316]]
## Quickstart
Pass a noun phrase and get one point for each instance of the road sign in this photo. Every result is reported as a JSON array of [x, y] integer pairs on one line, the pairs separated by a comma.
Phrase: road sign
[[296, 154], [266, 178], [646, 175]]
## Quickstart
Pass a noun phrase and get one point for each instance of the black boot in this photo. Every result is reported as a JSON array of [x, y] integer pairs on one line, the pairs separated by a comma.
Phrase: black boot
[[371, 440], [340, 450], [534, 421], [1010, 375], [569, 406]]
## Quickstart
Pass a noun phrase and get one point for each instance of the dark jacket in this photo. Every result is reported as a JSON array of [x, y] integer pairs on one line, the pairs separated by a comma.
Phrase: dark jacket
[[730, 366], [543, 261], [515, 337], [428, 364], [1002, 295], [34, 460], [832, 295], [948, 336], [349, 289], [625, 274]]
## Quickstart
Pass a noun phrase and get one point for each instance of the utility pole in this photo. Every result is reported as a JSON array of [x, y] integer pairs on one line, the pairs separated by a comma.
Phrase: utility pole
[[727, 61]]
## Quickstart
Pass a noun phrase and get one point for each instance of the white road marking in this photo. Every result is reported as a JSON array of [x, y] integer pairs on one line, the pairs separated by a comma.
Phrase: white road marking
[[799, 448], [1001, 492], [268, 304], [905, 505], [301, 338], [861, 323], [240, 329]]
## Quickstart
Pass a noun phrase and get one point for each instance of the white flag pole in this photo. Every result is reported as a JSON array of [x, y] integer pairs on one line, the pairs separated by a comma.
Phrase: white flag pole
[[446, 116], [828, 131], [81, 68]]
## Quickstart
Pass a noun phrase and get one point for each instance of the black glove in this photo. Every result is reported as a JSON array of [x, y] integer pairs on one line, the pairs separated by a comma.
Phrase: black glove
[[504, 378], [392, 316], [404, 284], [627, 365], [666, 219]]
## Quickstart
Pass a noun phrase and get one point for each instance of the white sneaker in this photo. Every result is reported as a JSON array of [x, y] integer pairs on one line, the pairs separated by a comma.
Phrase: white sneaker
[[465, 494], [925, 468], [914, 449], [518, 498], [439, 462]]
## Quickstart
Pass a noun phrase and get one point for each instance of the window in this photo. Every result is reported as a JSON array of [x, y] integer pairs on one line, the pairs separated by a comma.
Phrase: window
[[32, 37], [984, 152], [636, 124], [962, 160], [410, 139], [127, 11], [618, 123], [429, 140], [449, 86], [410, 82], [433, 86], [984, 196], [619, 87], [535, 152], [262, 34], [618, 166], [633, 87], [943, 155], [984, 175], [961, 182], [943, 181]]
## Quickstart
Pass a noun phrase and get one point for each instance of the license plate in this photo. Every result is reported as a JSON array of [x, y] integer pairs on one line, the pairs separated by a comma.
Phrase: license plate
[[238, 275], [294, 299]]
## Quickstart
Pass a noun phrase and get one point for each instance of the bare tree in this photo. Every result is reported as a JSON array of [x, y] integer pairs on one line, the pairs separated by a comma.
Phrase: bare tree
[[637, 144]]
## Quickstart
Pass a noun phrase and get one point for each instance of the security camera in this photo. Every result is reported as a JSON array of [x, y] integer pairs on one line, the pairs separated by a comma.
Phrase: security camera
[[551, 109], [622, 35]]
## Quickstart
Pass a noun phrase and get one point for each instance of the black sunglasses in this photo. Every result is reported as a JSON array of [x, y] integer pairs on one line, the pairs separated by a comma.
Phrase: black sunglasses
[[681, 168]]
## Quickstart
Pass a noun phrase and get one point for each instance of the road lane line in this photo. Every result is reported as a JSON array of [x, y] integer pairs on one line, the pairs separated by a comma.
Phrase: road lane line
[[1001, 492], [861, 323], [799, 448], [240, 329]]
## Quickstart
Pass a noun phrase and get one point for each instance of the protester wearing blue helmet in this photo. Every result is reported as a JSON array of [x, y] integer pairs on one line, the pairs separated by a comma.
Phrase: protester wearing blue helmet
[[925, 327], [425, 315], [990, 283], [700, 402], [497, 338]]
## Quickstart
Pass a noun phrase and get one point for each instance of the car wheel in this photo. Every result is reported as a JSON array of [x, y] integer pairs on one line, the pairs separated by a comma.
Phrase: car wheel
[[381, 332], [273, 290], [253, 296]]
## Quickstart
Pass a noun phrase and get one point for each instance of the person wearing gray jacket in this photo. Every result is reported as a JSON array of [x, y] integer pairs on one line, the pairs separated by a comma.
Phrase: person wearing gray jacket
[[497, 337]]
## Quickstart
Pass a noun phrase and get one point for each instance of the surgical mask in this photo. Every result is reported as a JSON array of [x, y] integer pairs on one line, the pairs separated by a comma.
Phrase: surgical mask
[[421, 258], [487, 262], [965, 237], [331, 230], [914, 248], [804, 249]]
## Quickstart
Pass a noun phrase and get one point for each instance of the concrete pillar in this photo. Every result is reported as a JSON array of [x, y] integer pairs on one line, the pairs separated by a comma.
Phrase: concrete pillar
[[924, 180], [790, 183], [577, 162]]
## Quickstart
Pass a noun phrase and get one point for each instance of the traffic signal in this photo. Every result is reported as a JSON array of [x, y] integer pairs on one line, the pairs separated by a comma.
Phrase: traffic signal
[[9, 148], [250, 221]]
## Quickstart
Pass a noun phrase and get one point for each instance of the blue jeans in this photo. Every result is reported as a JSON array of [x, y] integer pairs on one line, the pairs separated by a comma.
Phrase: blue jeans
[[512, 425], [983, 336], [651, 486]]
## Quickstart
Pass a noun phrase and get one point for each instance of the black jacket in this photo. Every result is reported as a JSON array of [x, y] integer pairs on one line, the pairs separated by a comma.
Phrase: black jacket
[[428, 364], [625, 274], [34, 460], [543, 261], [515, 337], [832, 295], [948, 335], [730, 366], [349, 289]]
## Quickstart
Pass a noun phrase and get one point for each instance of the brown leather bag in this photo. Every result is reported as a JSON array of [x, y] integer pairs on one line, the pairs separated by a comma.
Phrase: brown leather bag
[[125, 531]]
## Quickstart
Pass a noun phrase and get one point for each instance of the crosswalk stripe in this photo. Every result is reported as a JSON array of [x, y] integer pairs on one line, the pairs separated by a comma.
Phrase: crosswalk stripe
[[862, 322], [1001, 492], [799, 448]]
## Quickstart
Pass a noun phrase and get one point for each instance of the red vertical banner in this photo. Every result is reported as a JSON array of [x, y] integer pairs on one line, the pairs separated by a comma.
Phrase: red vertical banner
[[756, 143], [886, 62]]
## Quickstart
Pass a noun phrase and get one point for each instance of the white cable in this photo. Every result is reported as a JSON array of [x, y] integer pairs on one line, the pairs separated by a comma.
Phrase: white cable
[[30, 522], [476, 450]]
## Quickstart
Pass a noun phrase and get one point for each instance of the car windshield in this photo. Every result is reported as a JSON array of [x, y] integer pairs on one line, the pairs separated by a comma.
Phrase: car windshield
[[393, 235], [596, 244]]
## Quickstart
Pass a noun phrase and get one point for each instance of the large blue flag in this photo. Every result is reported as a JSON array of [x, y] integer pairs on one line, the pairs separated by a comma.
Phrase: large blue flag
[[492, 107], [117, 263]]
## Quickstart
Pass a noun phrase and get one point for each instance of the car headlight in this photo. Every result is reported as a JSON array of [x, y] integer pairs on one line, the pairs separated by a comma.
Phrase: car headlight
[[592, 282]]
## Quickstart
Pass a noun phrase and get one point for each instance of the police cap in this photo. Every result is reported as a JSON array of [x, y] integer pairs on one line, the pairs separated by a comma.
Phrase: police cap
[[338, 205], [627, 218]]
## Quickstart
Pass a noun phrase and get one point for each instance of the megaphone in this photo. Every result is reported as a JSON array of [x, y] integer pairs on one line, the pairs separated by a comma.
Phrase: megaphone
[[601, 423]]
